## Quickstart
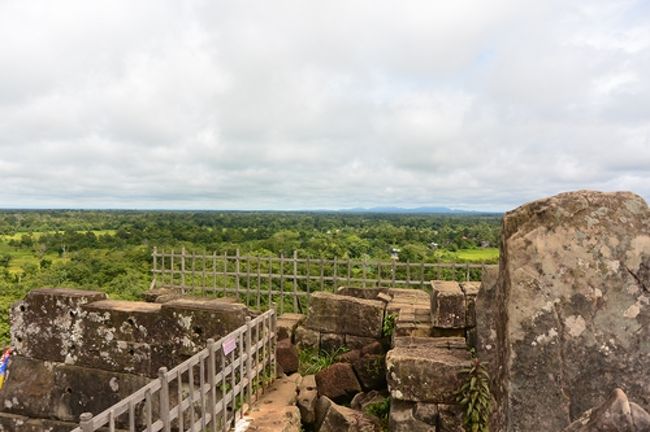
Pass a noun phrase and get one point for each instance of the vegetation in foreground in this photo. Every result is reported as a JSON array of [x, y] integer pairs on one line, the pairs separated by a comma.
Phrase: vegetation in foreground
[[111, 250]]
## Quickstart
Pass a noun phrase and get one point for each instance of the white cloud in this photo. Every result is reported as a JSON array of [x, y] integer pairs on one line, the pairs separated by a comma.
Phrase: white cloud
[[293, 104]]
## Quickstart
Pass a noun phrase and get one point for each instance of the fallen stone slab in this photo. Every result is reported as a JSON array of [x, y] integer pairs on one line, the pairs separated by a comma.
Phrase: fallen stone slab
[[338, 382], [371, 371], [426, 374], [287, 356], [343, 419], [333, 313]]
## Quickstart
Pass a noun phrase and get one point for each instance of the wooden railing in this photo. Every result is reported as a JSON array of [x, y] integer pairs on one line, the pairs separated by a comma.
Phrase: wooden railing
[[205, 393], [289, 281]]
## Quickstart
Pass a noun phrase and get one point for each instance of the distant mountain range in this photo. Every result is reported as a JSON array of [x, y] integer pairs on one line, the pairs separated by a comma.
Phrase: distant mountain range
[[417, 210]]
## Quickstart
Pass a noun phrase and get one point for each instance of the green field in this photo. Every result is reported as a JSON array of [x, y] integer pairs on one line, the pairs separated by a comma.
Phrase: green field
[[38, 234], [481, 255], [478, 255]]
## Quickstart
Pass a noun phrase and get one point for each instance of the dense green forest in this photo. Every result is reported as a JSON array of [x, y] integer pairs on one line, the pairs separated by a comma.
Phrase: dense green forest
[[111, 250]]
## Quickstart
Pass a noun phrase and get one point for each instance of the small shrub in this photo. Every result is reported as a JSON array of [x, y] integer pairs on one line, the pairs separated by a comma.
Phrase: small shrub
[[388, 326], [474, 398], [312, 361], [381, 410]]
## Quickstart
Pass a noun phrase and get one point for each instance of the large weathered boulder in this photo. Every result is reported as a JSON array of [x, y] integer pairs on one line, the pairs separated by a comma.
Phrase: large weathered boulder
[[307, 399], [426, 373], [616, 414], [572, 307], [333, 313], [343, 419], [371, 371], [287, 356], [338, 382]]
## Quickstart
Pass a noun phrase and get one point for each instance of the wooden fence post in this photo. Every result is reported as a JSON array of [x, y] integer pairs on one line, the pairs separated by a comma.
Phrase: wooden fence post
[[212, 397], [295, 281], [171, 269], [86, 422], [249, 360], [273, 336], [164, 399], [183, 270], [154, 256], [281, 282], [237, 268]]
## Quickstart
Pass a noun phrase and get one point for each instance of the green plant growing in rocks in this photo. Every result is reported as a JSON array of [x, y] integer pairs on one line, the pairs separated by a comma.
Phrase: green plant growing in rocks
[[474, 397], [381, 410], [312, 361], [388, 326]]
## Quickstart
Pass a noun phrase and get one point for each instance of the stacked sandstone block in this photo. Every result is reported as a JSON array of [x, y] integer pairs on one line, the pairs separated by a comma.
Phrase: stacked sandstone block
[[427, 367], [77, 351], [336, 321], [453, 309]]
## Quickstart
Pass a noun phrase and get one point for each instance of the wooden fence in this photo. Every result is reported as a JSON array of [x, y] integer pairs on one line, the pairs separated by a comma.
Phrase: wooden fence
[[205, 393], [289, 281]]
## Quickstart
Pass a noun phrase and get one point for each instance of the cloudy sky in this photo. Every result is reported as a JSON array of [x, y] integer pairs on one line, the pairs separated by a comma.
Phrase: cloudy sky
[[329, 104]]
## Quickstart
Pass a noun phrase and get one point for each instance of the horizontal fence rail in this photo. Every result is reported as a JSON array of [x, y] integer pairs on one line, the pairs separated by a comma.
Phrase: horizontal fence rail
[[289, 281], [207, 392]]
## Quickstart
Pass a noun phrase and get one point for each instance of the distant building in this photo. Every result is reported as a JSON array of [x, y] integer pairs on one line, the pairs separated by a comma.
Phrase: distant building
[[434, 245], [394, 253]]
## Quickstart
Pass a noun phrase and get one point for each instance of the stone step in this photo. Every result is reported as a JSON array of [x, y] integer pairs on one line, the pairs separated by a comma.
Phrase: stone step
[[275, 411]]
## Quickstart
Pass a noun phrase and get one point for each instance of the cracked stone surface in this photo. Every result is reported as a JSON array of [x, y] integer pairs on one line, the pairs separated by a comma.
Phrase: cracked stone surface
[[572, 308]]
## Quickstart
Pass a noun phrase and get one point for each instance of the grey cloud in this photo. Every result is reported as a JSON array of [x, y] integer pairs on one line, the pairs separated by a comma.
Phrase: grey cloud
[[294, 104]]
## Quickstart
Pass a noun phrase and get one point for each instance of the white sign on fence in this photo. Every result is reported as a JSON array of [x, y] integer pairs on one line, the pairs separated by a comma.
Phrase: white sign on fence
[[229, 345]]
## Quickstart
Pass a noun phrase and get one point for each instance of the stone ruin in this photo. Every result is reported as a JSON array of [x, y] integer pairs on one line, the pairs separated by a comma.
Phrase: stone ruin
[[79, 352], [562, 324], [567, 319], [420, 366]]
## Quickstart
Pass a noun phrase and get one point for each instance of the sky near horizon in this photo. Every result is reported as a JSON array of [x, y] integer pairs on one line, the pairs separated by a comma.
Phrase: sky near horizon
[[312, 105]]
